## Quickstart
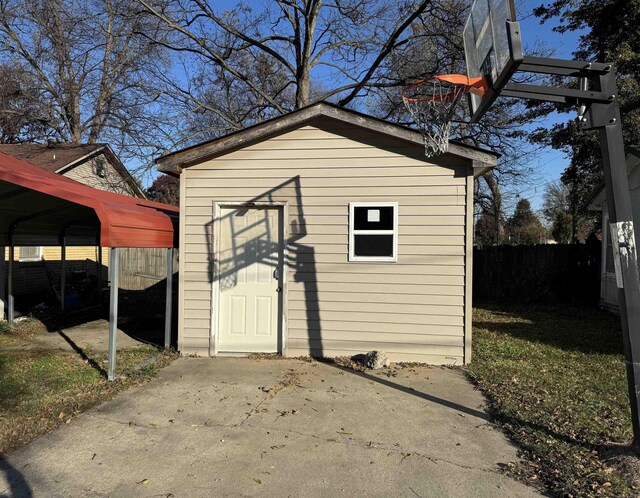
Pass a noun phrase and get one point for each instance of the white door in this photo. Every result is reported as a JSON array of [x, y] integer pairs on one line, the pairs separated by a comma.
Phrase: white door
[[250, 273]]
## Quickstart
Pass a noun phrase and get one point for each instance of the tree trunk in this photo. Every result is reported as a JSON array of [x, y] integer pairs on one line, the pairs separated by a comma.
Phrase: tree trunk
[[496, 201], [303, 73], [304, 90]]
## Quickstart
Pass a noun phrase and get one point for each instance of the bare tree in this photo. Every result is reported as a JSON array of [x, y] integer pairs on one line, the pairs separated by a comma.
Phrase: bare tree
[[24, 114], [89, 63], [261, 60], [565, 215]]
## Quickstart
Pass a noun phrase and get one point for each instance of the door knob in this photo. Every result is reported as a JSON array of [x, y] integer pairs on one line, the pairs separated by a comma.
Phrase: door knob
[[279, 289]]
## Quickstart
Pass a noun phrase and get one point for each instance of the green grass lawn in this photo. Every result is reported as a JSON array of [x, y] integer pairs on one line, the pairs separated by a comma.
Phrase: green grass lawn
[[41, 390], [556, 383]]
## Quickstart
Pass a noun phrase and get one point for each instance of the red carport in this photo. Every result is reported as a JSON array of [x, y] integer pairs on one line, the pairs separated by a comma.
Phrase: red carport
[[41, 208]]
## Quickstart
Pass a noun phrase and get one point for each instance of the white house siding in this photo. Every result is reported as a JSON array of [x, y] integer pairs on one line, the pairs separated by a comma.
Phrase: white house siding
[[608, 283], [413, 309]]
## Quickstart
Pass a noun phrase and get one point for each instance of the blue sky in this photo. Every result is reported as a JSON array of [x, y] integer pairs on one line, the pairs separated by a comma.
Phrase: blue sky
[[549, 163]]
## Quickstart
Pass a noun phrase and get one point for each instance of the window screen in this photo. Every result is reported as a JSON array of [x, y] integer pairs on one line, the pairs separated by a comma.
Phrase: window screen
[[373, 231]]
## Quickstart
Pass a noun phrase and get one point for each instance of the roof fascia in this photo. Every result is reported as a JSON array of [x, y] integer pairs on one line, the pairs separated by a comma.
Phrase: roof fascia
[[77, 161], [115, 161], [174, 163]]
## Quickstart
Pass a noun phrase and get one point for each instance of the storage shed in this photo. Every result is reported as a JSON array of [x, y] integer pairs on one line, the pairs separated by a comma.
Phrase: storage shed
[[326, 232]]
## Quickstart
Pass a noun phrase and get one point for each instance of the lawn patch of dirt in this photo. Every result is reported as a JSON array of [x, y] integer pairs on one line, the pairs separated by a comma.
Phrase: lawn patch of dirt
[[42, 390], [23, 330]]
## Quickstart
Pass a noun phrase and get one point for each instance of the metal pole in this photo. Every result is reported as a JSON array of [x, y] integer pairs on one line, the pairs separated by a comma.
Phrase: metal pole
[[11, 309], [99, 275], [3, 252], [113, 310], [623, 237], [63, 271], [168, 304]]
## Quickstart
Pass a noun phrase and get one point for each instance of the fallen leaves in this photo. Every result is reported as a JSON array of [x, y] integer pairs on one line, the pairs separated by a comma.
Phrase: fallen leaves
[[556, 394]]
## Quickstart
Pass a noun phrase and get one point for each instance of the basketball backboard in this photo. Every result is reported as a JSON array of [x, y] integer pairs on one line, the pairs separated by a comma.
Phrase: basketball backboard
[[493, 49]]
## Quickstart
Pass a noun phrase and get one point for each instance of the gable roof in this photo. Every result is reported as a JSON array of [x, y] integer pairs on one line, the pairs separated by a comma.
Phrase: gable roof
[[174, 162], [40, 206], [59, 157]]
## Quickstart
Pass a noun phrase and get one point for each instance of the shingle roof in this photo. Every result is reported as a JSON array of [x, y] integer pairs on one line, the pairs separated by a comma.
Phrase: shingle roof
[[51, 157]]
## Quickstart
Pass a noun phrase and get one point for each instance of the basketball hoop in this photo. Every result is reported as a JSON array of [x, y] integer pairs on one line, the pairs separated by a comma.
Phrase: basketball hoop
[[432, 103]]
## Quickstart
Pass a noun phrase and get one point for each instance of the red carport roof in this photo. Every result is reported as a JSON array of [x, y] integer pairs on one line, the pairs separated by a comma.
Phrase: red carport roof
[[37, 207]]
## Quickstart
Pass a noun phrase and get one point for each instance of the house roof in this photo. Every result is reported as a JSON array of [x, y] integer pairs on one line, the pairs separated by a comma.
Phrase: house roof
[[52, 157], [174, 162], [599, 195], [39, 207], [60, 157]]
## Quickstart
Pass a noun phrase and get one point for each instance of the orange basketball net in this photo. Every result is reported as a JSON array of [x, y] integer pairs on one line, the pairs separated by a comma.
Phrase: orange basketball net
[[432, 103]]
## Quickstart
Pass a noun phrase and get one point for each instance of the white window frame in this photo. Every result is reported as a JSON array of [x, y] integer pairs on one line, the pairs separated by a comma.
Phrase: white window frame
[[35, 258], [352, 233]]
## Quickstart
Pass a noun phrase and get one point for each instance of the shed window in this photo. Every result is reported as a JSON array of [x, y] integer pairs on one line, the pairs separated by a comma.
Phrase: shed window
[[373, 231], [30, 253]]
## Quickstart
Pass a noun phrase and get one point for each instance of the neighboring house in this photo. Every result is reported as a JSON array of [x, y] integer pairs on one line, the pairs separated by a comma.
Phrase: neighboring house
[[326, 232], [94, 165], [598, 202]]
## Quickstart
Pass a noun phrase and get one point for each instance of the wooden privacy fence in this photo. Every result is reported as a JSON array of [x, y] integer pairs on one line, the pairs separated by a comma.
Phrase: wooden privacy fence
[[141, 268], [551, 273]]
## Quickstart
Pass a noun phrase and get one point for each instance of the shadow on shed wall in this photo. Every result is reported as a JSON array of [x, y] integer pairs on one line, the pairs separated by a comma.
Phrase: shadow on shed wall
[[299, 258]]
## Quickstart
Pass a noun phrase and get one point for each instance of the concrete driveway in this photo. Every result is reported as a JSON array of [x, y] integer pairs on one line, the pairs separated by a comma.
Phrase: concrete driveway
[[275, 427]]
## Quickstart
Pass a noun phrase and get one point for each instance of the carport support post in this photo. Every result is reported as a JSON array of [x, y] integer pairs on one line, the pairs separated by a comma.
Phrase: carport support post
[[10, 309], [113, 310], [99, 275], [168, 304], [63, 274]]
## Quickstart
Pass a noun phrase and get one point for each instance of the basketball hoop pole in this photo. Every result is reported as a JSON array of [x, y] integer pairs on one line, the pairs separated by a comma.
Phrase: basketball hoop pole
[[606, 118], [603, 114]]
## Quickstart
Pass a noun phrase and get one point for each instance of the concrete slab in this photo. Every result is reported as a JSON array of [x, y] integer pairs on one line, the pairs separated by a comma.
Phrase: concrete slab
[[247, 427]]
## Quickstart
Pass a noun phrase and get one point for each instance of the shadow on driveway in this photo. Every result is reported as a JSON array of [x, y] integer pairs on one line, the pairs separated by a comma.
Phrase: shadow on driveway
[[17, 484]]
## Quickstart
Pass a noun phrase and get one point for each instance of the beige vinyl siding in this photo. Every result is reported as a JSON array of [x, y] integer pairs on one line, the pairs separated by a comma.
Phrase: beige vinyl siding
[[413, 309], [113, 181]]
